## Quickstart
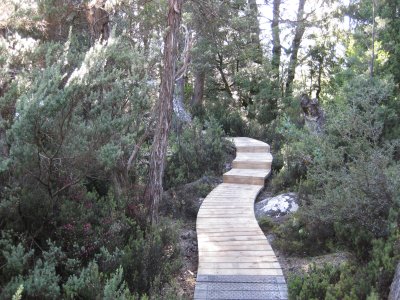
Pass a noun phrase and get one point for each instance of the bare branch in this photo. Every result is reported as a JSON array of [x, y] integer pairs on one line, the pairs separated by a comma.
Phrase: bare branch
[[186, 53], [66, 186]]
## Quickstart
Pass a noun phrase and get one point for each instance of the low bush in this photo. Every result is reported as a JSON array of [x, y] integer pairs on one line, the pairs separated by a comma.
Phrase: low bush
[[349, 195], [195, 152], [352, 280], [144, 265]]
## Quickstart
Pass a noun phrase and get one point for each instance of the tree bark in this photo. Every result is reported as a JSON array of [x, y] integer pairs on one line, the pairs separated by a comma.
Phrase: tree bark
[[276, 42], [198, 91], [98, 20], [154, 188], [182, 115], [319, 80], [223, 77], [373, 41], [300, 28], [7, 114], [4, 147]]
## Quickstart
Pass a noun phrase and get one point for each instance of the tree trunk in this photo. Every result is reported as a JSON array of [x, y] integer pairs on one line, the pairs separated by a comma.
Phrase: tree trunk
[[276, 42], [4, 147], [182, 115], [98, 20], [255, 31], [198, 92], [223, 77], [300, 28], [7, 114], [154, 187], [373, 41], [180, 89], [319, 80]]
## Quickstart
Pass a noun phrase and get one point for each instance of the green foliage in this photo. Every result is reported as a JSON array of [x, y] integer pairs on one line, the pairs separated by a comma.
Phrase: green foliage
[[72, 110], [92, 284], [228, 116], [346, 175], [150, 259], [296, 236], [146, 265], [266, 224], [87, 285], [349, 194], [351, 280], [194, 153], [15, 257], [40, 281], [295, 154], [313, 286]]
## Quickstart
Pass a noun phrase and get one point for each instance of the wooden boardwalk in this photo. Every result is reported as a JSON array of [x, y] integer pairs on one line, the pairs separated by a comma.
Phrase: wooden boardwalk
[[235, 259]]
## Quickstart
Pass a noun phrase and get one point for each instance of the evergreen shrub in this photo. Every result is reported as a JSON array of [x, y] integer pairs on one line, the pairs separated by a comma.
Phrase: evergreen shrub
[[195, 152]]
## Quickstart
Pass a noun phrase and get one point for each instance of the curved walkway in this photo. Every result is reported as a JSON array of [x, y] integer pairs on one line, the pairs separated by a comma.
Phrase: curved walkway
[[235, 259]]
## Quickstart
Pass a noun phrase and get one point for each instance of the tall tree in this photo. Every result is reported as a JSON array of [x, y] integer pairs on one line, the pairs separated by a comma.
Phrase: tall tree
[[390, 36], [255, 31], [298, 35], [276, 42], [198, 90], [373, 39], [164, 108]]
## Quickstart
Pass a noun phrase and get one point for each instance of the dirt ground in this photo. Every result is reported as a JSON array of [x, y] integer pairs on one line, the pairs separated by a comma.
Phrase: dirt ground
[[188, 244]]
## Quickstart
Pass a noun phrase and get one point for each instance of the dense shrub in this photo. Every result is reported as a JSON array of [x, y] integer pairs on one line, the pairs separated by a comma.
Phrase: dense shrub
[[346, 176], [351, 280], [66, 200], [145, 265], [229, 115], [195, 152], [349, 194]]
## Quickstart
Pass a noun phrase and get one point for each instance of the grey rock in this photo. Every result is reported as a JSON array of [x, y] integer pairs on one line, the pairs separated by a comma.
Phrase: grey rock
[[277, 206]]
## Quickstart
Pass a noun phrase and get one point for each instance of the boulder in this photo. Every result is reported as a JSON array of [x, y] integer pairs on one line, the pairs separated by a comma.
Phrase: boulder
[[277, 206], [395, 287]]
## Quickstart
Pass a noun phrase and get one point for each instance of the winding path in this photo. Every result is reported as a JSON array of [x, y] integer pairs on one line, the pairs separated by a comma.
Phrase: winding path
[[235, 259]]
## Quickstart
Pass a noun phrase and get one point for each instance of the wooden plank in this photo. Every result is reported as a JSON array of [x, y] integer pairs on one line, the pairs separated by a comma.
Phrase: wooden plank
[[237, 243], [236, 258], [234, 253], [252, 161], [259, 272], [218, 228], [228, 234], [224, 216], [204, 228], [240, 265], [246, 176], [211, 247], [229, 221], [230, 242], [254, 156], [203, 238], [219, 209], [244, 144]]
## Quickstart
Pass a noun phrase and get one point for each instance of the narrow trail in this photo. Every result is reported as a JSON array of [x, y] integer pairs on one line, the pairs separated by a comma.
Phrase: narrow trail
[[236, 261]]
